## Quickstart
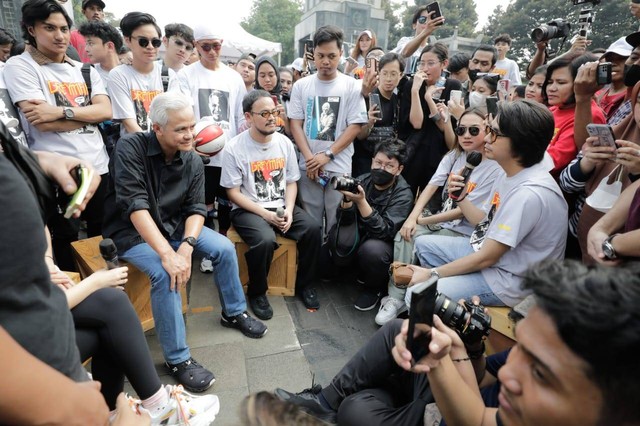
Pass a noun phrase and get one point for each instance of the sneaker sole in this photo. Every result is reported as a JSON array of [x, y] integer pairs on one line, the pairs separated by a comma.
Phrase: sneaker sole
[[246, 333], [368, 308], [206, 271], [381, 323], [195, 390]]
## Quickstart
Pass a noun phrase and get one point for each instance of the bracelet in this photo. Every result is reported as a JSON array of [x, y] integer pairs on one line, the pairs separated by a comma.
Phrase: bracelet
[[461, 359], [477, 354]]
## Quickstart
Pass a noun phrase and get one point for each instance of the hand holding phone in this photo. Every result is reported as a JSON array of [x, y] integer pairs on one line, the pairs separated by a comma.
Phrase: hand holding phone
[[374, 101], [434, 7], [423, 303], [84, 177], [492, 105], [604, 133]]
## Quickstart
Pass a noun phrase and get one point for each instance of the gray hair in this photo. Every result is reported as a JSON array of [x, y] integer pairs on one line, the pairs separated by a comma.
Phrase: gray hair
[[165, 102]]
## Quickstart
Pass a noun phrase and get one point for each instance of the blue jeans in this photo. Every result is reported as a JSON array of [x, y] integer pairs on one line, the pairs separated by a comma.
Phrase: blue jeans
[[438, 250], [167, 305]]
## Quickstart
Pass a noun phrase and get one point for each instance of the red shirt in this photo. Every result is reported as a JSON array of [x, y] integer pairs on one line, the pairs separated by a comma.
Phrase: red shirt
[[609, 103], [77, 40]]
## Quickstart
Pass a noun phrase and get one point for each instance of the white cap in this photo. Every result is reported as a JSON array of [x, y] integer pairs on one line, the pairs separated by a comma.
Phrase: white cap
[[297, 64], [205, 32], [620, 47]]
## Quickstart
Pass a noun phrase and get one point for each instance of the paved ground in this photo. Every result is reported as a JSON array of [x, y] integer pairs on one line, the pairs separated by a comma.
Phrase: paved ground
[[299, 343]]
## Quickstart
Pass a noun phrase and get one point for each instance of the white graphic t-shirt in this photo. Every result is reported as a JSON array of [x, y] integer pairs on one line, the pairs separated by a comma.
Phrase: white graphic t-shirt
[[9, 114]]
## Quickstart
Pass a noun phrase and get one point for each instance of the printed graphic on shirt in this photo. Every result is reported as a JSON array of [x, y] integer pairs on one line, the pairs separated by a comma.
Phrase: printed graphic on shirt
[[215, 104], [322, 115], [72, 95], [142, 102], [9, 117], [269, 179], [480, 232]]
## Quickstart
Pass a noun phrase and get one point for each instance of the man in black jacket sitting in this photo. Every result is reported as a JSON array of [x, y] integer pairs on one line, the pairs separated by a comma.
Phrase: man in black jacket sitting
[[382, 203]]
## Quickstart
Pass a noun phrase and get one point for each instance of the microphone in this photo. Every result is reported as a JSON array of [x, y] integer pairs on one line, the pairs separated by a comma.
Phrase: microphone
[[280, 212], [473, 159], [109, 253]]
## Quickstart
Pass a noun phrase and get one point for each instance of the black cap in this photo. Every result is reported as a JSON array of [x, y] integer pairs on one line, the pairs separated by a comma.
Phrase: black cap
[[86, 3], [633, 39]]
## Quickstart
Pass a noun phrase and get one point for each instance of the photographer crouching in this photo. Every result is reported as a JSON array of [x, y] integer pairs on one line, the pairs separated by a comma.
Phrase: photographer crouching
[[372, 211]]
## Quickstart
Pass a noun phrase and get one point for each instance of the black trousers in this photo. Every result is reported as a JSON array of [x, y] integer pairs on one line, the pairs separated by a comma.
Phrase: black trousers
[[65, 231], [108, 331], [213, 191], [374, 258], [260, 236], [371, 389]]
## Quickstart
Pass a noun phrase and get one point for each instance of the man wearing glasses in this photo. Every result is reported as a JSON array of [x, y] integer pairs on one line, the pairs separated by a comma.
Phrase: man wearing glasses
[[260, 174], [178, 41], [133, 87]]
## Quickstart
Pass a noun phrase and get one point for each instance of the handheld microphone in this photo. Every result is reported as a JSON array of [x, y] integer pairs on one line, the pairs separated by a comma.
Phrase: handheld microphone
[[473, 159], [280, 212], [109, 253]]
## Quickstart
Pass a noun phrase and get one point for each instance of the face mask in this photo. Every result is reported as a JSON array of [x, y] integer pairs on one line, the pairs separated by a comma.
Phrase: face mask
[[631, 75], [477, 100], [381, 177], [473, 75]]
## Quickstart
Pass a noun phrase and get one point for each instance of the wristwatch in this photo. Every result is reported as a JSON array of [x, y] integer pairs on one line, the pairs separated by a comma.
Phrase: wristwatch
[[329, 154], [68, 113], [607, 248], [435, 273], [190, 240]]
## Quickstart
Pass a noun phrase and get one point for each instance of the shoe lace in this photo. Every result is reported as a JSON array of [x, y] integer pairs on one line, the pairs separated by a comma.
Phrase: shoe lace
[[314, 389], [177, 393]]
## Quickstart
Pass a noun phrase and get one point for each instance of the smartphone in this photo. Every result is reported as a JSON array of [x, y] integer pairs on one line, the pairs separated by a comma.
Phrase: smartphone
[[492, 105], [503, 87], [84, 177], [323, 178], [308, 46], [423, 304], [371, 63], [604, 133], [351, 61], [434, 7], [455, 96], [374, 99], [603, 74]]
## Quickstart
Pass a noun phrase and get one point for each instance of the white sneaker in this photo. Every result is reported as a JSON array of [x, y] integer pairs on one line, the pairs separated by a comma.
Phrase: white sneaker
[[206, 265], [390, 308], [185, 409]]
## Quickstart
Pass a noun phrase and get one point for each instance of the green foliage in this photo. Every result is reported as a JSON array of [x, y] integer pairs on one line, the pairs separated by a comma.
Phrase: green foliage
[[459, 14], [395, 26], [79, 18], [611, 22], [275, 20]]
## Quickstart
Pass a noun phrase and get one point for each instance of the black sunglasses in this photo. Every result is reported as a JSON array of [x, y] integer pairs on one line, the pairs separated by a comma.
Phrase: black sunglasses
[[208, 46], [473, 130], [144, 42]]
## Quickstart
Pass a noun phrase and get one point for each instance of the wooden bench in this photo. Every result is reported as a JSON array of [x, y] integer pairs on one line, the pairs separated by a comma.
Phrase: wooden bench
[[502, 334], [282, 274], [87, 256]]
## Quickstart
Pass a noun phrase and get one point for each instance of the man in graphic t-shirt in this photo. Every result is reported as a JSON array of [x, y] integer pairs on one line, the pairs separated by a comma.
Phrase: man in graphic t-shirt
[[260, 173], [326, 112], [53, 99]]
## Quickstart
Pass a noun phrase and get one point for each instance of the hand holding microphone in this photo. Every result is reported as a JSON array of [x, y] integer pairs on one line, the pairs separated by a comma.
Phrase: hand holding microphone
[[109, 253], [473, 159]]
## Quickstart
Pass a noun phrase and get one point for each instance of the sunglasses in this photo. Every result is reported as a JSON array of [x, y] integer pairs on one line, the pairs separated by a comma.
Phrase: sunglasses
[[267, 114], [494, 133], [473, 130], [422, 20], [144, 42], [187, 46], [208, 46]]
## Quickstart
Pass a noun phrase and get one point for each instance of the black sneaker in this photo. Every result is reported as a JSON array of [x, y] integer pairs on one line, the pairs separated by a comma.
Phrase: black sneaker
[[309, 402], [310, 298], [366, 301], [192, 375], [261, 307], [248, 325]]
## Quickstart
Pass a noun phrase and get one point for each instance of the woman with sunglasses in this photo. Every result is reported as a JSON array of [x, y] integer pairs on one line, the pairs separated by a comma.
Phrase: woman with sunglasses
[[449, 219]]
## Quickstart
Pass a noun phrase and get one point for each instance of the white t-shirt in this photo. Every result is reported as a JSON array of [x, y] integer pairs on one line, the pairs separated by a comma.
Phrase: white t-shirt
[[132, 92], [411, 61], [261, 170], [104, 75], [528, 213], [215, 94], [327, 108], [9, 114], [60, 84], [508, 68]]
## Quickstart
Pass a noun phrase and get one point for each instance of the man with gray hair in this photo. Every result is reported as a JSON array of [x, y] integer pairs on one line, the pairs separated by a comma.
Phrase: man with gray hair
[[154, 212]]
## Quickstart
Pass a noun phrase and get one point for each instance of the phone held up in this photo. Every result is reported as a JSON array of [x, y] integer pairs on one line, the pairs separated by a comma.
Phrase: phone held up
[[434, 7], [374, 100], [421, 311], [83, 177]]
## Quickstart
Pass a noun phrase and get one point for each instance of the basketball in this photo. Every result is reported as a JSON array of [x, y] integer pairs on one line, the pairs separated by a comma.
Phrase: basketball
[[212, 138]]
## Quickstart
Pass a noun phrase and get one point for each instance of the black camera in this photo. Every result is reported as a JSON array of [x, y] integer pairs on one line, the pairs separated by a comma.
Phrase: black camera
[[345, 183], [470, 321], [558, 28]]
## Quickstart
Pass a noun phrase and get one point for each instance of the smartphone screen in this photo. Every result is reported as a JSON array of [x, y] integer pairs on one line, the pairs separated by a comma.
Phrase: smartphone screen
[[604, 133], [492, 105], [423, 302], [374, 99], [455, 96], [434, 7]]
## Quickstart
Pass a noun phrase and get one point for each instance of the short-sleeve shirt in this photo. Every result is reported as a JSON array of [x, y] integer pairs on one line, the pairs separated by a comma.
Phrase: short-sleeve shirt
[[508, 68], [261, 170], [327, 108], [9, 114], [411, 61], [59, 84]]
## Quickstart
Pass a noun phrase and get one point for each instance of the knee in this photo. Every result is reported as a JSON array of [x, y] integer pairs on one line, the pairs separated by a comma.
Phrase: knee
[[375, 252], [353, 410]]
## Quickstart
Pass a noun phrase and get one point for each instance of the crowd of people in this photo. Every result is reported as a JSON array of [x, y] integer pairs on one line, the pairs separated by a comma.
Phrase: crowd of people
[[447, 163]]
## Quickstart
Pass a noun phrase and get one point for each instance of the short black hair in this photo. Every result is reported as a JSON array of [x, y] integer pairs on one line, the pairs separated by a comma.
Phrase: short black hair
[[438, 49], [491, 81], [520, 89], [17, 48], [392, 148], [133, 20], [104, 31], [458, 62], [6, 37], [530, 127], [390, 57], [487, 48], [251, 98], [573, 62], [416, 15], [505, 38], [326, 34], [179, 30], [595, 310], [39, 10]]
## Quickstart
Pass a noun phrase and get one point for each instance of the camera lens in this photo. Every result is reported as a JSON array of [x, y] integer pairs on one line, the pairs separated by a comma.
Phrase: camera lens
[[452, 314]]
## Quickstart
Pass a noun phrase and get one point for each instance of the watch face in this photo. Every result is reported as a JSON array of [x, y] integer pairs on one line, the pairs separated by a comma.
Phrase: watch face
[[608, 251], [68, 113]]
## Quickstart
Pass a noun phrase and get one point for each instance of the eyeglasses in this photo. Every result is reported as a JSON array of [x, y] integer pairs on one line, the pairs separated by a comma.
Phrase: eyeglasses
[[422, 20], [187, 46], [392, 75], [208, 46], [144, 42], [380, 165], [494, 133], [267, 114], [473, 130], [429, 64]]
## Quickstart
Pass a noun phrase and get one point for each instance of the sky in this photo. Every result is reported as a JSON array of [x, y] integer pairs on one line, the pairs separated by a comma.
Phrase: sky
[[183, 10]]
